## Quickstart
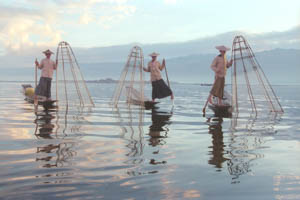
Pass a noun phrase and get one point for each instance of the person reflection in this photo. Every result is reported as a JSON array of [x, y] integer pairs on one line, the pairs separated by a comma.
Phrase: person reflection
[[51, 154], [158, 131], [217, 148], [44, 127]]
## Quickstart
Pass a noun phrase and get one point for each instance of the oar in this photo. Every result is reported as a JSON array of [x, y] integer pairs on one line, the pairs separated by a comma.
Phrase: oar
[[209, 96], [168, 79], [203, 110], [35, 73], [35, 77]]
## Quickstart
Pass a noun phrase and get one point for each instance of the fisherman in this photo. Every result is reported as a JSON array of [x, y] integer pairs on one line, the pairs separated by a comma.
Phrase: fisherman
[[47, 66], [219, 66], [159, 87]]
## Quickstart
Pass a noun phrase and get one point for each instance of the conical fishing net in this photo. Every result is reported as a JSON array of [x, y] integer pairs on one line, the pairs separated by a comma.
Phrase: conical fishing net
[[130, 88], [71, 88], [251, 90]]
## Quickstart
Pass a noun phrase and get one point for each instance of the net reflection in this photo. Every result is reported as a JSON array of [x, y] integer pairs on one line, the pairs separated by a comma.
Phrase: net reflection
[[237, 149], [244, 149], [217, 149], [54, 149], [131, 120]]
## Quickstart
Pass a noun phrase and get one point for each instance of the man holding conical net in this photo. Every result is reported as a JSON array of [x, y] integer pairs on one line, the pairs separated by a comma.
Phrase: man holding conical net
[[159, 87], [219, 66]]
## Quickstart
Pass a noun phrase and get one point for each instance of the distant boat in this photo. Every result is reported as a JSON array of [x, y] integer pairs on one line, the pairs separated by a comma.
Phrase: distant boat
[[28, 92]]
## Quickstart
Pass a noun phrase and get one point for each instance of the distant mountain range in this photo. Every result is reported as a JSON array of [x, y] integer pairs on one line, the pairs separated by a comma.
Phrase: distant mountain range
[[282, 66], [186, 61]]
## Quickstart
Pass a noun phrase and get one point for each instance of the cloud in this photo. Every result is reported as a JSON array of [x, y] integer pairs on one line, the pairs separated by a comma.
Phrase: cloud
[[21, 28], [41, 23]]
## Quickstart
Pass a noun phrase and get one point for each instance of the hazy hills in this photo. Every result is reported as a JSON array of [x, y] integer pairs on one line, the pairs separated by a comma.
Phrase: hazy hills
[[186, 61], [282, 66]]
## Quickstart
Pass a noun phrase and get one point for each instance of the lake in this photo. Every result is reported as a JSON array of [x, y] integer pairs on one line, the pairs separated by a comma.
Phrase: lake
[[126, 153]]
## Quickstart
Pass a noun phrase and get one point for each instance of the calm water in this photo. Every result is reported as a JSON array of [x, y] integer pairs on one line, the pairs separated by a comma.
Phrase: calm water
[[160, 154]]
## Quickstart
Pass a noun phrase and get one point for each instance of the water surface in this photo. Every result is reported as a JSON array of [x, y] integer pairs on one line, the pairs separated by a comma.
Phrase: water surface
[[165, 153]]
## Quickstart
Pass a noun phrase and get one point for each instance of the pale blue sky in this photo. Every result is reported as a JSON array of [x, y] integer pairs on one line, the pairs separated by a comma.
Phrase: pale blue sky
[[89, 23]]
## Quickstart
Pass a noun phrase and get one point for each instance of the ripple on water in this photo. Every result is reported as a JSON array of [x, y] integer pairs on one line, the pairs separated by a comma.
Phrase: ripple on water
[[107, 153]]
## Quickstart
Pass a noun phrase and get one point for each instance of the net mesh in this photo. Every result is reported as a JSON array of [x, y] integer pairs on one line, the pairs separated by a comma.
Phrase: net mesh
[[71, 88], [130, 87], [251, 90]]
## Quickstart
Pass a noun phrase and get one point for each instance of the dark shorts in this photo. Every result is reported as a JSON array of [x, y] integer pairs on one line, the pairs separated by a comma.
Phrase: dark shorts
[[160, 89], [218, 87], [44, 87]]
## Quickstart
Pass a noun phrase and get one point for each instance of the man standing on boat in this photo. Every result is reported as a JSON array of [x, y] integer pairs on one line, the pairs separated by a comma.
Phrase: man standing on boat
[[47, 66], [219, 66], [159, 87]]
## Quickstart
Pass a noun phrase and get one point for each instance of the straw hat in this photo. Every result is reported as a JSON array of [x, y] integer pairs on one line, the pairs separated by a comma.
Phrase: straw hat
[[47, 52], [154, 54], [222, 48]]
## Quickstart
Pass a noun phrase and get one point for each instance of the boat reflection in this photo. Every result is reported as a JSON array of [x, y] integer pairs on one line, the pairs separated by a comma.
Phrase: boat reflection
[[131, 121], [56, 151], [158, 132], [237, 149], [217, 149], [44, 125]]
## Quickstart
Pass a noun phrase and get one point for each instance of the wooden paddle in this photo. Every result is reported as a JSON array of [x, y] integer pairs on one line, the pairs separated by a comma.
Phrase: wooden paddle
[[35, 101], [203, 110], [164, 63], [209, 96]]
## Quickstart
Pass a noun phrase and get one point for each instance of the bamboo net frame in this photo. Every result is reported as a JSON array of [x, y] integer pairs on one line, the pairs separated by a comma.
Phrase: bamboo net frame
[[251, 90], [71, 88], [132, 79]]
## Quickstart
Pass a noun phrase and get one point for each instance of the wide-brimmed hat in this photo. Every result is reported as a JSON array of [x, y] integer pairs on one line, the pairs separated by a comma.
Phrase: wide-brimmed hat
[[47, 52], [222, 48], [154, 54]]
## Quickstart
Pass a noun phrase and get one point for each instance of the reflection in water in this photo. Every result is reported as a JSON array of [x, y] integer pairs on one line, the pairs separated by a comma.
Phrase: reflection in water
[[250, 121], [246, 138], [158, 131], [44, 126], [217, 152], [239, 150], [131, 120], [58, 151], [243, 151]]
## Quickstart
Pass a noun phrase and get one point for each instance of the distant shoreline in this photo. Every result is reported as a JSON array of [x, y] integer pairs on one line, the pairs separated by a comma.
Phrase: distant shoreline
[[113, 81]]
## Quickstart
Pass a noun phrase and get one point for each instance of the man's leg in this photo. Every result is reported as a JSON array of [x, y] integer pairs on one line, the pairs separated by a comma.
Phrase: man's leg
[[49, 89]]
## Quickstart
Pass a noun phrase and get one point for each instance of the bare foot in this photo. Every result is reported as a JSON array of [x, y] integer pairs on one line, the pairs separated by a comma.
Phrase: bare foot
[[172, 96]]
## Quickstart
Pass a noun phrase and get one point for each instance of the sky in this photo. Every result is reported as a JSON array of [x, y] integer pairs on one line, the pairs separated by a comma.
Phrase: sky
[[28, 24]]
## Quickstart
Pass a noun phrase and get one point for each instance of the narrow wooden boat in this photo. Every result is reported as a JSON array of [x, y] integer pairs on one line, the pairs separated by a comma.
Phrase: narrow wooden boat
[[28, 92], [223, 108], [147, 104]]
